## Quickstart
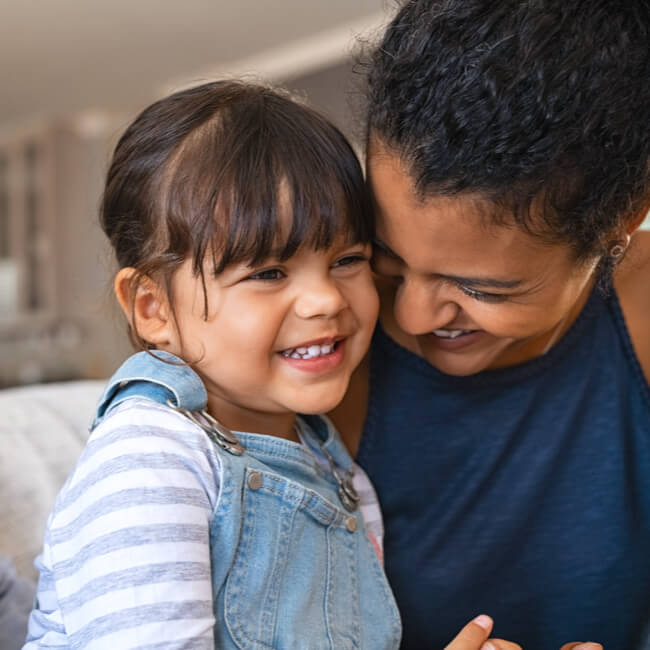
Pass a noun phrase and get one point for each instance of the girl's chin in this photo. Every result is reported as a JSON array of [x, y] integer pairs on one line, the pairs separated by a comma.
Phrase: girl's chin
[[318, 408], [318, 404]]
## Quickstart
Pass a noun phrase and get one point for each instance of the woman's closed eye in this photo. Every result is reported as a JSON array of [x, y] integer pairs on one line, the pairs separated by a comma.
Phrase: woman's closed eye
[[482, 295]]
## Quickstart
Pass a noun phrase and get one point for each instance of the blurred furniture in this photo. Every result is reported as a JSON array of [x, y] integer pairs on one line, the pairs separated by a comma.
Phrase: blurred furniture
[[43, 429]]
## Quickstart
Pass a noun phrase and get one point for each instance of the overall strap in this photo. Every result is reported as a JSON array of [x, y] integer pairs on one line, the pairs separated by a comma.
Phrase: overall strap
[[166, 379], [158, 376]]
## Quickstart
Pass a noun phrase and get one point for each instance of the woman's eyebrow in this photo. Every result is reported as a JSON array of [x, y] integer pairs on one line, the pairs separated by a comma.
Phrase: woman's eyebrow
[[458, 279], [482, 282]]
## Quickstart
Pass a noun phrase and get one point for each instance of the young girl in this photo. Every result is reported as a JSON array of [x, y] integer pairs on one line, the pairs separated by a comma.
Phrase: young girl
[[241, 225]]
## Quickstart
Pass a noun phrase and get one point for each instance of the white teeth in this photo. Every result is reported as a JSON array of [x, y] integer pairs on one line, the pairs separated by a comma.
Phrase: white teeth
[[450, 334], [310, 352]]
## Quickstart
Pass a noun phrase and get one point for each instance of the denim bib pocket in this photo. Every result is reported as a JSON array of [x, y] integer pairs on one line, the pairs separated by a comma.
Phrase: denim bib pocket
[[294, 581]]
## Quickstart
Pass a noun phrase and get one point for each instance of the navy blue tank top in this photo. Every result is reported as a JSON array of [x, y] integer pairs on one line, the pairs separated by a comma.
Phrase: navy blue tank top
[[523, 493]]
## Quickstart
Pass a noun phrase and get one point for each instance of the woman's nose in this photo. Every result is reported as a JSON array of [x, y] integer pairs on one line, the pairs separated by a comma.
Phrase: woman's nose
[[320, 298], [421, 307]]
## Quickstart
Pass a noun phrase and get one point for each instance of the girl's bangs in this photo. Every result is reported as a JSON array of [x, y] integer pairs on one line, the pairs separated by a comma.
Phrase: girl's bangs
[[263, 181], [292, 212]]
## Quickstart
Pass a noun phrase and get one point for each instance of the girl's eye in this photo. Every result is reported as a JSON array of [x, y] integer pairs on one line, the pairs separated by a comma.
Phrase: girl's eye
[[348, 260], [481, 295], [267, 275]]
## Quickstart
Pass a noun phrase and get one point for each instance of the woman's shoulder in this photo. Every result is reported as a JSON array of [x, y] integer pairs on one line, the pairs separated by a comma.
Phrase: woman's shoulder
[[633, 288]]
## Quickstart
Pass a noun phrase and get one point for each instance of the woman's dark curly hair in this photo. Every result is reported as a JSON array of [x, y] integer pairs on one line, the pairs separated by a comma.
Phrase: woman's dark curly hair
[[540, 104]]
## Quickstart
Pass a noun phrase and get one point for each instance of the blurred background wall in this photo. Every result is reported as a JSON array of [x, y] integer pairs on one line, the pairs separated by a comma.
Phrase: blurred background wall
[[73, 73]]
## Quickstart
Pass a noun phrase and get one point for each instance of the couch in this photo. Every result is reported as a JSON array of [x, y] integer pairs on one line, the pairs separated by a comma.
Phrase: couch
[[42, 431]]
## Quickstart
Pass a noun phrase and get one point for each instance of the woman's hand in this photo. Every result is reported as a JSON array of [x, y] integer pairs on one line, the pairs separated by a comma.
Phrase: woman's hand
[[474, 636]]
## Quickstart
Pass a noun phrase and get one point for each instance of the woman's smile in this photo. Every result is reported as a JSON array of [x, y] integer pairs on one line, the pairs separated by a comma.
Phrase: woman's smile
[[455, 339]]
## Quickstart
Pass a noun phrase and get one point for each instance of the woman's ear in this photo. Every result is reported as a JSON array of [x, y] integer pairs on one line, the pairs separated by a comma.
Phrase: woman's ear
[[636, 222], [145, 306]]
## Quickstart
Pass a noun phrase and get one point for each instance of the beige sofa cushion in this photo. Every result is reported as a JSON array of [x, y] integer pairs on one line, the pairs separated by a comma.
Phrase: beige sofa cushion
[[42, 431]]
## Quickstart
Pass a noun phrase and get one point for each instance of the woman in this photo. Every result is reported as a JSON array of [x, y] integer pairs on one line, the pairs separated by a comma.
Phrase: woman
[[507, 426]]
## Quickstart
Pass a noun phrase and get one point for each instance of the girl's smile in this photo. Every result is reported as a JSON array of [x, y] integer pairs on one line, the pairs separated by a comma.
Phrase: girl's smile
[[316, 356], [318, 364]]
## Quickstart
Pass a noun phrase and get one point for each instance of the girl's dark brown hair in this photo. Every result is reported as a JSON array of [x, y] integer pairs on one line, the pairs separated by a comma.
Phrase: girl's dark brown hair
[[215, 169]]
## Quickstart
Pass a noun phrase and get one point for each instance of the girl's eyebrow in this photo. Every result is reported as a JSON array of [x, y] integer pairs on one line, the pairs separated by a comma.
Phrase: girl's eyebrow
[[475, 282]]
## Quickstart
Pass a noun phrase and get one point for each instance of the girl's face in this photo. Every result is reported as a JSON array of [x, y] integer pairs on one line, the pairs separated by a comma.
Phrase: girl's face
[[280, 338], [461, 292]]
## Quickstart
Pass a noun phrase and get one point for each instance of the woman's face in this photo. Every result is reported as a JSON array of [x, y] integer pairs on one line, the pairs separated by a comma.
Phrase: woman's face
[[463, 293]]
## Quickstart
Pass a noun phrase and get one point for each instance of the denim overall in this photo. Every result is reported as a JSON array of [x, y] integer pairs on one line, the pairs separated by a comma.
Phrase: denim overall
[[291, 568]]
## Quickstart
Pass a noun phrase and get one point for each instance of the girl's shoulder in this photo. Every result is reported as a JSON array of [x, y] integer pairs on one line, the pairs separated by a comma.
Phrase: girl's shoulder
[[146, 426], [633, 288], [142, 445]]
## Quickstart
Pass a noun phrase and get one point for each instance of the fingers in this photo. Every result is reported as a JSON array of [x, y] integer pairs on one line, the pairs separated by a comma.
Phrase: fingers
[[473, 635], [500, 644]]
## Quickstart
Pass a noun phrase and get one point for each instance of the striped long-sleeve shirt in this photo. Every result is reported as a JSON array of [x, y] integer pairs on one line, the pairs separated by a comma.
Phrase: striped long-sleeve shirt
[[126, 559]]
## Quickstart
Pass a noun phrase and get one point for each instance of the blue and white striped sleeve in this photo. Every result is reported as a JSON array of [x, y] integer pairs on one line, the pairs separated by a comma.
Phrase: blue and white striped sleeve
[[126, 558]]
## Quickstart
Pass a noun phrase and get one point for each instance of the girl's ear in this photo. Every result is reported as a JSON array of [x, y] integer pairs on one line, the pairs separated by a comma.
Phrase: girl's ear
[[145, 306]]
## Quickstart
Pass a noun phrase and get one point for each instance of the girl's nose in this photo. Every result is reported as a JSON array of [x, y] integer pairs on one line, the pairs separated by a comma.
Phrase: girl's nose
[[321, 298], [421, 307]]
